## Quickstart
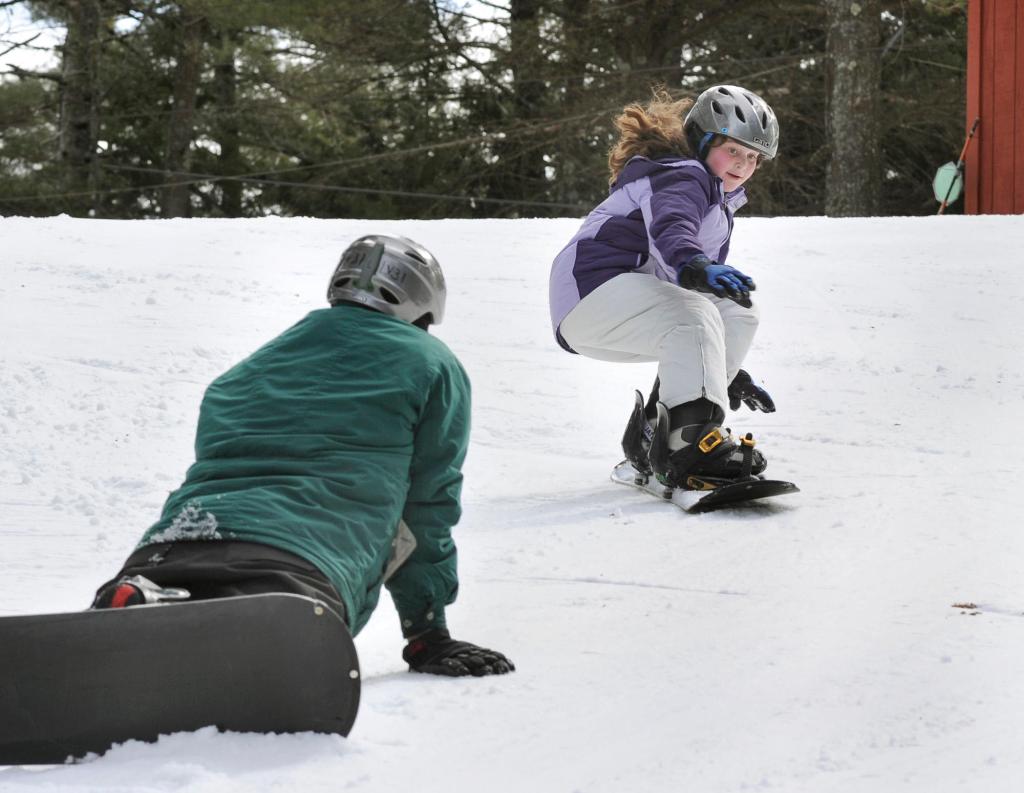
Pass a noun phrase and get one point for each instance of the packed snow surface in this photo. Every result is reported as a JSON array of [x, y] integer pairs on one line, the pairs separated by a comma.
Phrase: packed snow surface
[[865, 634]]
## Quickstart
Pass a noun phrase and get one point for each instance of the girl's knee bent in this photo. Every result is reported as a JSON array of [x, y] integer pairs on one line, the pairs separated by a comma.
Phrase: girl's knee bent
[[731, 312]]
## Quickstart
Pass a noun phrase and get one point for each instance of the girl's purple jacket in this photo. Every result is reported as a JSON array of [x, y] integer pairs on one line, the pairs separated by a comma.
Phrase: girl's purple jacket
[[659, 215]]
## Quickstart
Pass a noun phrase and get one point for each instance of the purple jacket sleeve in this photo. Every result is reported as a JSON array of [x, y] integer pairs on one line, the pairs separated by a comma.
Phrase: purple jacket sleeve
[[680, 198], [723, 253]]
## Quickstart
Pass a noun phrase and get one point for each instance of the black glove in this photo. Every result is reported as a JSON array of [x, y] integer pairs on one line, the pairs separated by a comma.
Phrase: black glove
[[743, 389], [437, 653], [703, 275]]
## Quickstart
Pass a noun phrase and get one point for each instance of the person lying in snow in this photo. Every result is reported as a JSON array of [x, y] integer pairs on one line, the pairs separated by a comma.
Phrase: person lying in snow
[[328, 463], [645, 278]]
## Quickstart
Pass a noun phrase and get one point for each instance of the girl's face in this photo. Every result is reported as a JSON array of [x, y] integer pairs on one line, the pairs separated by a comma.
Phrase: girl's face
[[733, 163]]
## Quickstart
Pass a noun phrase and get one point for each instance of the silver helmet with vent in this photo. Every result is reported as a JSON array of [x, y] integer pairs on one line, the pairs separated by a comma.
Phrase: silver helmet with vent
[[736, 113], [393, 275]]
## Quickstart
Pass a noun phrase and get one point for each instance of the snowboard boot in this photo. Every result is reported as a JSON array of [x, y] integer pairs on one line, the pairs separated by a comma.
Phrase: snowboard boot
[[136, 591], [691, 449]]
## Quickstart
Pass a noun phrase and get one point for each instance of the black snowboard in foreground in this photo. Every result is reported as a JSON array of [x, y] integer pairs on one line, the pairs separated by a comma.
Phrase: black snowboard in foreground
[[76, 683], [732, 494]]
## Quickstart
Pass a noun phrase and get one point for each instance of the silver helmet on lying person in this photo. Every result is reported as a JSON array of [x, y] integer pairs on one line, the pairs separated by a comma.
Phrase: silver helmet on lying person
[[393, 275]]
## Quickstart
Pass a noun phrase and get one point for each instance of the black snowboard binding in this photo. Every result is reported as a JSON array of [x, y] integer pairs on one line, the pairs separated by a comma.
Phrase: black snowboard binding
[[712, 459], [710, 471], [136, 591], [636, 441]]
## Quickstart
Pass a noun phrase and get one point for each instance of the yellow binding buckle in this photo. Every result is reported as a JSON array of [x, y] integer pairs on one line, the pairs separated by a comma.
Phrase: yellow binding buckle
[[710, 441], [748, 440]]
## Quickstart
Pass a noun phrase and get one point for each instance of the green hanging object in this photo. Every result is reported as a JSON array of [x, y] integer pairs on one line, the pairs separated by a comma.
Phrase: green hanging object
[[948, 183], [949, 179]]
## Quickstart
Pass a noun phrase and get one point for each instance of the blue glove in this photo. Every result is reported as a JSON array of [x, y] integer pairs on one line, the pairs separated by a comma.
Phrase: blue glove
[[703, 275], [744, 389]]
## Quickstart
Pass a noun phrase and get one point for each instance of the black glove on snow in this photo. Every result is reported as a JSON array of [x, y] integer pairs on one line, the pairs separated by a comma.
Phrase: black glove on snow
[[437, 653], [743, 389], [703, 275]]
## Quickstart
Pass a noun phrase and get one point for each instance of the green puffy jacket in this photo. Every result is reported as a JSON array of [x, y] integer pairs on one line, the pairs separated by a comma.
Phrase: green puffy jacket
[[320, 442]]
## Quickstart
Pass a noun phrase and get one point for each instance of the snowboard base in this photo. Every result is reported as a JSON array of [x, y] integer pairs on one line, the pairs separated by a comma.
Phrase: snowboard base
[[715, 496], [79, 682]]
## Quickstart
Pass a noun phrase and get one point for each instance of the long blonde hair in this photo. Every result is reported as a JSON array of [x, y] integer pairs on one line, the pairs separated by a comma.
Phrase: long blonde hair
[[651, 130]]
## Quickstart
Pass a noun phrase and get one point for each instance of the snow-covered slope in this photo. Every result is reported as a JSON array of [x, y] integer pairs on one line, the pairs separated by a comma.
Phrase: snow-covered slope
[[809, 645]]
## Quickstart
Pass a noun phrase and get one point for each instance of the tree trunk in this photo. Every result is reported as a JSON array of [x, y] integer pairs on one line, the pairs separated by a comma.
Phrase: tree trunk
[[180, 129], [79, 123], [227, 127], [853, 186], [665, 34], [577, 49], [524, 169], [571, 155]]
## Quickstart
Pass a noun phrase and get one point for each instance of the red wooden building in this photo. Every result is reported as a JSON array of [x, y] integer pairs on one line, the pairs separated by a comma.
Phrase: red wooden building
[[994, 178]]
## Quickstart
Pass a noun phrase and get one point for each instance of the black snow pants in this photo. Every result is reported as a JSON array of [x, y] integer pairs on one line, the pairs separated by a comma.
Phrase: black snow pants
[[226, 568]]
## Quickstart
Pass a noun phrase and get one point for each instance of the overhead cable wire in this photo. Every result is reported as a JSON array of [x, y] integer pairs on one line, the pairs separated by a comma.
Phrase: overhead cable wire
[[196, 178]]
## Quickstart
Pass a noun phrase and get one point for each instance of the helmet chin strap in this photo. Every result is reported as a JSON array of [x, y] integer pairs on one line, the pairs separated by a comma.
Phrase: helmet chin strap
[[702, 147]]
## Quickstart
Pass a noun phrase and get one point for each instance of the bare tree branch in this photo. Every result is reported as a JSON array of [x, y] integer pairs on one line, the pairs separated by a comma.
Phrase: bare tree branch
[[496, 6], [24, 73], [20, 44], [457, 49]]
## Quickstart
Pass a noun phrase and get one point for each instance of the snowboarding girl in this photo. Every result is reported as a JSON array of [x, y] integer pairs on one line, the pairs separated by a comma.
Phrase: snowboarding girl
[[645, 279]]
